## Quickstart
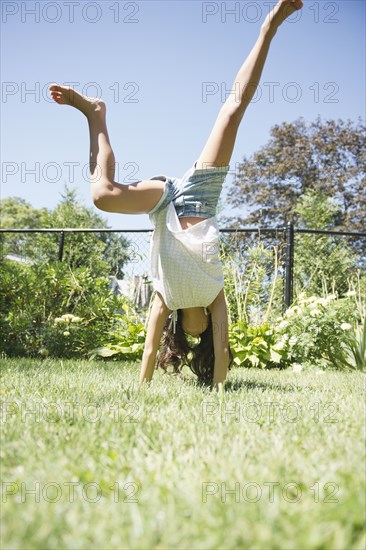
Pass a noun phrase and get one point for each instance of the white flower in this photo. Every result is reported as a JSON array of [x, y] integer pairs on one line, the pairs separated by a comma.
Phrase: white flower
[[302, 299], [315, 313], [296, 367], [331, 297], [346, 326], [268, 332], [283, 324], [63, 319], [292, 311], [321, 301], [76, 319], [312, 299], [67, 318], [292, 341], [66, 333], [351, 293], [279, 346]]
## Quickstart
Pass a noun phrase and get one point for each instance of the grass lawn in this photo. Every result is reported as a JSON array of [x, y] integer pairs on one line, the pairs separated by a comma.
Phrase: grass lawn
[[89, 460]]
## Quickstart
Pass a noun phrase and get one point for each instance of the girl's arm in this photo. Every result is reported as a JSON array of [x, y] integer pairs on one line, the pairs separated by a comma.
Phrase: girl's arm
[[220, 327], [158, 316]]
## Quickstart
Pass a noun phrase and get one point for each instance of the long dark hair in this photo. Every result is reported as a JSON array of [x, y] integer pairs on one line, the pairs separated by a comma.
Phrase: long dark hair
[[179, 349]]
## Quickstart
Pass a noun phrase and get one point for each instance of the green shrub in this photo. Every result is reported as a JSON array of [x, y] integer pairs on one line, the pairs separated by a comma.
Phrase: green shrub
[[318, 326], [252, 287], [316, 331], [351, 354], [125, 339], [259, 346], [53, 310]]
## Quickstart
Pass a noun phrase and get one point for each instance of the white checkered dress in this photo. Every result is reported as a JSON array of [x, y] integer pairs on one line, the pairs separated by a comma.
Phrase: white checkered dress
[[186, 267]]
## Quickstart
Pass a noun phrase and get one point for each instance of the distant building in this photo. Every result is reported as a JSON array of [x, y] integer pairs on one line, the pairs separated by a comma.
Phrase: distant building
[[138, 290], [19, 258]]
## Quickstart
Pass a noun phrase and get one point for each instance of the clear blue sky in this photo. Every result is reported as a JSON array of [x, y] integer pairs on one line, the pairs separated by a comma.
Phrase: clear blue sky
[[151, 62]]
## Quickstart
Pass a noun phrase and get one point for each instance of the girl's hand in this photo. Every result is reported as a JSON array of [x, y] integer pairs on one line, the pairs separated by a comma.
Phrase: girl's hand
[[220, 388]]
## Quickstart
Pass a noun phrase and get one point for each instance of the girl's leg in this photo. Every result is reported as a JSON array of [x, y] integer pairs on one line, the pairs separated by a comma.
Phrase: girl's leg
[[220, 144], [108, 195]]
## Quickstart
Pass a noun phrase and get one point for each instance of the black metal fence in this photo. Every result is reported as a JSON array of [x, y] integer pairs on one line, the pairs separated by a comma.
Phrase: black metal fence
[[297, 258]]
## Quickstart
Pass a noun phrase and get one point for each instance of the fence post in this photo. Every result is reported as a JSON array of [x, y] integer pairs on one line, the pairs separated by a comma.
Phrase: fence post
[[289, 263], [61, 246]]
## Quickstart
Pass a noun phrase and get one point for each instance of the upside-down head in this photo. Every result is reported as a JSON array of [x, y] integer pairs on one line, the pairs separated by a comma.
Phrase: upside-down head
[[179, 349]]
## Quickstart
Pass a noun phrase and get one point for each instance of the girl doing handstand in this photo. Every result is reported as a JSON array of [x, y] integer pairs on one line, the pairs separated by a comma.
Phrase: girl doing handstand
[[186, 269]]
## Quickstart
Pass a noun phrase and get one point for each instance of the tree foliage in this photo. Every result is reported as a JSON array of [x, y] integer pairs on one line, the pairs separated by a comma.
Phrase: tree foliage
[[323, 263], [105, 253], [325, 156]]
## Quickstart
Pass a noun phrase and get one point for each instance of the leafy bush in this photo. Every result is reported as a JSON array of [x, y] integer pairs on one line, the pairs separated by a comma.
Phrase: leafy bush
[[320, 326], [51, 309], [259, 346], [125, 339], [352, 352], [252, 286], [323, 331], [322, 262]]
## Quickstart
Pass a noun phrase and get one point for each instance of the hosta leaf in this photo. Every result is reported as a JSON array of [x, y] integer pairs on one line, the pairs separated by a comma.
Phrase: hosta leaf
[[136, 347], [237, 348], [124, 349], [105, 352]]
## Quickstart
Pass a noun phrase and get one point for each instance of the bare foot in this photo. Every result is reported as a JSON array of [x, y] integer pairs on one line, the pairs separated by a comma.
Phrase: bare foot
[[64, 95], [282, 10]]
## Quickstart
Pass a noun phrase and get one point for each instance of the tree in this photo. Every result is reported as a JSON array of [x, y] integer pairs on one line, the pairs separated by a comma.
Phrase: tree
[[105, 253], [17, 213], [328, 157], [323, 263]]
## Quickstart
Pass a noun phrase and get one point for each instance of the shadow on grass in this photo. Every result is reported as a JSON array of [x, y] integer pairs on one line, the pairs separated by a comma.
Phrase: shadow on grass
[[234, 382], [236, 385]]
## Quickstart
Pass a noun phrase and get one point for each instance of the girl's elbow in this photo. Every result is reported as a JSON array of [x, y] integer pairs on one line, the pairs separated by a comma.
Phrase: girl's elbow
[[102, 197], [100, 201]]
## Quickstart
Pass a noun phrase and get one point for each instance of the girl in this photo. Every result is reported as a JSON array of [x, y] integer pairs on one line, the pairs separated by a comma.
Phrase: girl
[[186, 269]]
